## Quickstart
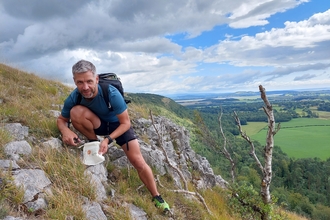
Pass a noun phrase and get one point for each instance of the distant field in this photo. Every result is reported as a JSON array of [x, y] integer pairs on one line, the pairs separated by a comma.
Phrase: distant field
[[254, 127], [299, 138], [322, 114]]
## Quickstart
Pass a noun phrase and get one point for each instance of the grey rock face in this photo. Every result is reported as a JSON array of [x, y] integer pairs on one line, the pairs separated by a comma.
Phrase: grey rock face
[[53, 143], [94, 211], [136, 212], [7, 164], [13, 218], [54, 113], [33, 182], [175, 141], [17, 148], [98, 175], [18, 131]]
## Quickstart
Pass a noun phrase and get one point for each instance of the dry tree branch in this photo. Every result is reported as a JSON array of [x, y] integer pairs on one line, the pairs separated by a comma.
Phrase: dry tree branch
[[185, 190], [200, 197], [225, 151], [158, 181], [244, 203], [247, 138], [160, 140], [277, 129]]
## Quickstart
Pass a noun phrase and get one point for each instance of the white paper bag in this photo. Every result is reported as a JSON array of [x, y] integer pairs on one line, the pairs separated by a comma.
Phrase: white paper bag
[[91, 154]]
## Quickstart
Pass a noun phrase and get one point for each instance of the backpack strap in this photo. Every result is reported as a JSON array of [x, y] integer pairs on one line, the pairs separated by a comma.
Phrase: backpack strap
[[105, 91], [79, 97]]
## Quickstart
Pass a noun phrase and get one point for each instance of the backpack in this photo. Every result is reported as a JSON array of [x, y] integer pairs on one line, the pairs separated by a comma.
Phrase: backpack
[[104, 80]]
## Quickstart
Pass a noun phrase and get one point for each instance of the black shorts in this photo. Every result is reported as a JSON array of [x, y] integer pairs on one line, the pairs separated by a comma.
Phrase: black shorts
[[107, 128]]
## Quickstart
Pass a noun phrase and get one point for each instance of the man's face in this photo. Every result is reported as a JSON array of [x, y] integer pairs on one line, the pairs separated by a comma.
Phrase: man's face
[[86, 84]]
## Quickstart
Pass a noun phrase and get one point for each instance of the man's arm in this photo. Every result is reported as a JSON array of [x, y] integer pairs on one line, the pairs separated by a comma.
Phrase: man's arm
[[68, 136], [124, 125]]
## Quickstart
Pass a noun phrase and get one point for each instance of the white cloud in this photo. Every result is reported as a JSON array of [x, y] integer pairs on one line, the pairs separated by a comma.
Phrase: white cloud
[[133, 40], [298, 43], [255, 12]]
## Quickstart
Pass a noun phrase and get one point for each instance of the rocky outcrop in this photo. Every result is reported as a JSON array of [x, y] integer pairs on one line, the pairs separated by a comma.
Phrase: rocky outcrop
[[174, 140]]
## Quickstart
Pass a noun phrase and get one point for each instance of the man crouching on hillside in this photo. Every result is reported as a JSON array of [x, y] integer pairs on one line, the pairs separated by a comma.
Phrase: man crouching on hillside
[[92, 117]]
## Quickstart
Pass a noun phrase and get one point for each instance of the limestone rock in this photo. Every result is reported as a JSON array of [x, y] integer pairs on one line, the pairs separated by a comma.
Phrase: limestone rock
[[17, 148], [6, 164], [98, 175], [94, 211], [18, 131], [53, 143], [33, 182]]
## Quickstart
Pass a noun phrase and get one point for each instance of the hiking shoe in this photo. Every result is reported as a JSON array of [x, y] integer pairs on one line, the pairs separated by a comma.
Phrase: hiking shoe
[[160, 203]]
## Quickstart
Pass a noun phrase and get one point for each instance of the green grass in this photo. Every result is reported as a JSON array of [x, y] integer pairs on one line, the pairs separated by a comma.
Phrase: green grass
[[253, 128], [299, 138]]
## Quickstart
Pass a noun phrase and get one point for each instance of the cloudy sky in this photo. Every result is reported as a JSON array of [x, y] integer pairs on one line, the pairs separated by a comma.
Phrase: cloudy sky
[[170, 47]]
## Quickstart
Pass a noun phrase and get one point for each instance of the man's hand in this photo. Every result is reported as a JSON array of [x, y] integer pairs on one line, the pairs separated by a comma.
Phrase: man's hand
[[103, 146], [70, 138]]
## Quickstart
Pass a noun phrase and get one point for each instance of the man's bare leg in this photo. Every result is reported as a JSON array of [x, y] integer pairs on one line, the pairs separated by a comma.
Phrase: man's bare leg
[[145, 173], [85, 121]]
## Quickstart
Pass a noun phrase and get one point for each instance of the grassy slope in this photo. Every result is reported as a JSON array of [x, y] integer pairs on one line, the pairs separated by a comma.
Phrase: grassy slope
[[27, 99]]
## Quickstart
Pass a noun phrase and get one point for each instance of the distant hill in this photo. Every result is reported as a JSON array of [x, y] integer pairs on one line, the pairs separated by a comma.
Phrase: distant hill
[[194, 96], [160, 102]]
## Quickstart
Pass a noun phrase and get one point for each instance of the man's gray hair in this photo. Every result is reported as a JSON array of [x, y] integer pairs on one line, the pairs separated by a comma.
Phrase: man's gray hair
[[83, 66]]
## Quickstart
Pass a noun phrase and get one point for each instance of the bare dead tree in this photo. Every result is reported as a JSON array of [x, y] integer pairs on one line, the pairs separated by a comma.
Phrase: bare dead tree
[[224, 150], [185, 190], [266, 169]]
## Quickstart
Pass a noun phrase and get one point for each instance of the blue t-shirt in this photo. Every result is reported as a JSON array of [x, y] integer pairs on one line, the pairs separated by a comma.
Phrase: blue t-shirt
[[97, 104]]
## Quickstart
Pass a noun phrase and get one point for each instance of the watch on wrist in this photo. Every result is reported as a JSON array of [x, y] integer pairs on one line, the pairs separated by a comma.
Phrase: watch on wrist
[[109, 139]]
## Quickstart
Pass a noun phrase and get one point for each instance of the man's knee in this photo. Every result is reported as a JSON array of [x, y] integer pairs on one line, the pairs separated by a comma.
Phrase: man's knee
[[139, 164], [77, 110]]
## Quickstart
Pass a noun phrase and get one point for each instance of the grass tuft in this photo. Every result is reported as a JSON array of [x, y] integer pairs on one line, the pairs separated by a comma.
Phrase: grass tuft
[[69, 182], [11, 196]]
